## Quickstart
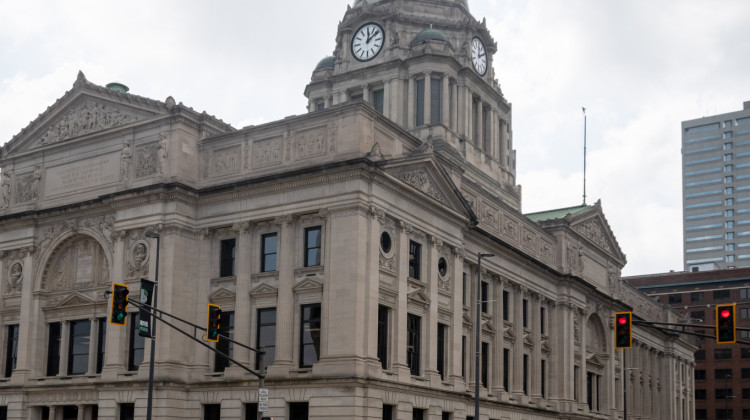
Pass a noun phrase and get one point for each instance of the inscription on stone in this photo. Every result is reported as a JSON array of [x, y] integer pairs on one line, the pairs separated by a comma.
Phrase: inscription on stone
[[76, 176]]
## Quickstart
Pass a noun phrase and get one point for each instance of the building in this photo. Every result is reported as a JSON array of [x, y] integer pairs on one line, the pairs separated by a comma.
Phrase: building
[[722, 371], [344, 242], [716, 190]]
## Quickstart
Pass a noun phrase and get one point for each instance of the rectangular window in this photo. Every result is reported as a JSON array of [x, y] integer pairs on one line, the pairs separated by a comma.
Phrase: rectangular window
[[53, 349], [269, 248], [312, 246], [101, 344], [697, 315], [227, 258], [696, 297], [11, 351], [446, 416], [485, 362], [414, 259], [78, 347], [387, 412], [746, 393], [251, 411], [700, 394], [675, 298], [722, 294], [722, 354], [542, 317], [298, 411], [383, 335], [525, 313], [436, 93], [543, 378], [723, 393], [417, 414], [127, 411], [700, 355], [413, 342], [506, 369], [419, 105], [506, 308], [745, 352], [745, 293], [700, 374], [223, 345], [266, 335], [137, 344], [722, 373], [377, 100], [526, 374], [441, 328], [722, 413], [320, 105], [463, 356], [463, 295], [211, 411], [701, 414], [745, 373], [485, 297], [309, 351]]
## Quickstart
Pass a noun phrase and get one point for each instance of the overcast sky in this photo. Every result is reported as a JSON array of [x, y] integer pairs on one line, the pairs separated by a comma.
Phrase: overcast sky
[[640, 67]]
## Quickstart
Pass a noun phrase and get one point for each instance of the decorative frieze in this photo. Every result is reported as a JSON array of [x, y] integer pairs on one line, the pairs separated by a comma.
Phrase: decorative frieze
[[594, 231], [88, 117], [267, 152], [420, 180]]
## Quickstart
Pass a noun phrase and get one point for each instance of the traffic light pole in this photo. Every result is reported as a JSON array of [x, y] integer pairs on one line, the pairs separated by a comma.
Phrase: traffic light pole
[[151, 234]]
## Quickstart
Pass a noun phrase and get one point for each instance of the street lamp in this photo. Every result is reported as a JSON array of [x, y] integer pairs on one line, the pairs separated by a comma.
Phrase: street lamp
[[152, 234], [478, 332]]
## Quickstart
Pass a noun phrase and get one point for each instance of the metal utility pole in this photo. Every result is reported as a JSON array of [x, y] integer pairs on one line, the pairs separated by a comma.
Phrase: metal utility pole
[[478, 332], [151, 234]]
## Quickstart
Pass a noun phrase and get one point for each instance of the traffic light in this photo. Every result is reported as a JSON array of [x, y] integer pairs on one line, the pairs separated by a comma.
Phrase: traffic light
[[214, 323], [725, 331], [119, 312], [623, 330]]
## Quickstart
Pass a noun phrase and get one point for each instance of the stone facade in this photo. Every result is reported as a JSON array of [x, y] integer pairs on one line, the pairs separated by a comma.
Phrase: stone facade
[[348, 235]]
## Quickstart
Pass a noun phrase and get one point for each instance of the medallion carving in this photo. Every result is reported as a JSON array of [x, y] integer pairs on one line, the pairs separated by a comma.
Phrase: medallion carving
[[86, 118], [15, 277], [138, 256]]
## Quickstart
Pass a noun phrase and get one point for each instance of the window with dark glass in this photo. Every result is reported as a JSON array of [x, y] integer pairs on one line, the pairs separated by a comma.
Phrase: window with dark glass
[[436, 93], [446, 416], [377, 100], [675, 298], [745, 352], [4, 412], [419, 106], [506, 369], [746, 393], [525, 313], [722, 373], [417, 414], [722, 294], [223, 345], [320, 105], [251, 411], [463, 289], [700, 394], [383, 336], [101, 343], [414, 259], [385, 242], [442, 267], [211, 411], [78, 347], [723, 413], [485, 297], [269, 249], [298, 411], [463, 356], [543, 378], [542, 320], [723, 393], [722, 354], [485, 359], [700, 374], [137, 344], [506, 309], [53, 349], [312, 246], [700, 355], [11, 350], [227, 258], [310, 341], [413, 338], [697, 315], [441, 328], [526, 374], [701, 414], [387, 412], [745, 373], [127, 411], [266, 335]]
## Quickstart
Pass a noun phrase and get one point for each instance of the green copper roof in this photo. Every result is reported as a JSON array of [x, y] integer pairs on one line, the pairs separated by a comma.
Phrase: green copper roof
[[558, 213], [326, 62], [430, 34]]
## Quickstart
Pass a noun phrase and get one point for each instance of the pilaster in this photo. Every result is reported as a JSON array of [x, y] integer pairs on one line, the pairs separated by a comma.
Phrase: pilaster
[[285, 309]]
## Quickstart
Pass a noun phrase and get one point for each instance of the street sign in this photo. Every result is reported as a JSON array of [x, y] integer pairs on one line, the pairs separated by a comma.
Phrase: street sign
[[262, 400]]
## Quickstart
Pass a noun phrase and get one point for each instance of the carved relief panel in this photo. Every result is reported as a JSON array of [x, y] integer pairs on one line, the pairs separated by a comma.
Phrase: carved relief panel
[[146, 159], [79, 262]]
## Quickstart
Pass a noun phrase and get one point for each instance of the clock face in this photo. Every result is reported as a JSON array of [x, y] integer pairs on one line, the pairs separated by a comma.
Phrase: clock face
[[479, 56], [368, 41]]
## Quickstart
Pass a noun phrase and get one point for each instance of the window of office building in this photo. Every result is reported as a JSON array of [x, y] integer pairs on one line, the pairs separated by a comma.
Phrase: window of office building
[[227, 255], [485, 358], [723, 393], [383, 315], [310, 335], [223, 345], [506, 308], [53, 348], [700, 374], [542, 320], [78, 347], [700, 394], [745, 352], [298, 410], [312, 246], [266, 335], [127, 411], [415, 250], [696, 297], [211, 411], [11, 350], [701, 414], [525, 313], [485, 297], [441, 329], [745, 293], [675, 298], [269, 249], [745, 373], [722, 373], [697, 315], [722, 294], [722, 354], [413, 342], [723, 413], [419, 105]]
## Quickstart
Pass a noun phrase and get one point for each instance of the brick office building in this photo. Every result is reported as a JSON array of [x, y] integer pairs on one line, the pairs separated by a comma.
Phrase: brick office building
[[722, 371]]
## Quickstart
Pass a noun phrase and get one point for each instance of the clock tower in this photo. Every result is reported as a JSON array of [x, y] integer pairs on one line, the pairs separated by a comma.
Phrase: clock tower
[[427, 66]]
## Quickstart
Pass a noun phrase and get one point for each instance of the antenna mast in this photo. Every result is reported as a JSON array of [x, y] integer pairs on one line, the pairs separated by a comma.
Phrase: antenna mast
[[584, 154]]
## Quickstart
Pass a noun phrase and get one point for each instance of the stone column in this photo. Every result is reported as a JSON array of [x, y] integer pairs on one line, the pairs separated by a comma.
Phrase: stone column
[[31, 325], [494, 141], [285, 306], [584, 369], [65, 347], [469, 116], [427, 95], [410, 104], [518, 352], [502, 154], [479, 140], [327, 101], [399, 357], [445, 107], [93, 341], [535, 368], [387, 98], [246, 265], [344, 96], [431, 318], [453, 123], [53, 413], [496, 375], [455, 359], [366, 93], [81, 411]]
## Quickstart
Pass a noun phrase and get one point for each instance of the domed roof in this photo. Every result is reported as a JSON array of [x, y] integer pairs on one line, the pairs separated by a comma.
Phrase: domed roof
[[428, 35], [326, 62]]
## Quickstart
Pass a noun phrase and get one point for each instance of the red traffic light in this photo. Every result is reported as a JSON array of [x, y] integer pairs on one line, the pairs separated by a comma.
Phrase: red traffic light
[[725, 313], [622, 320], [725, 324], [623, 330]]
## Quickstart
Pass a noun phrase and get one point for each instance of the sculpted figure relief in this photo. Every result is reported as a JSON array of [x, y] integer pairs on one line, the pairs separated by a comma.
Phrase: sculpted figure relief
[[6, 190], [126, 156]]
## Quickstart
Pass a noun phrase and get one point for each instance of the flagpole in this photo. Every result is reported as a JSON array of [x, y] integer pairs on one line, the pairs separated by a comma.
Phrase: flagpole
[[584, 154]]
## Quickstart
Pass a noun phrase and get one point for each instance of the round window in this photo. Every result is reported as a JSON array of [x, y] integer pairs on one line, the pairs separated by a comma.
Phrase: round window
[[385, 242], [442, 266]]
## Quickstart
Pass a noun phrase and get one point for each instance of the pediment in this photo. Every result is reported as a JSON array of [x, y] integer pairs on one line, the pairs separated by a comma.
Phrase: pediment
[[85, 109], [467, 318], [221, 294], [509, 335], [308, 284], [419, 296], [594, 228], [74, 299], [264, 289], [527, 341], [487, 327], [595, 360], [424, 176]]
